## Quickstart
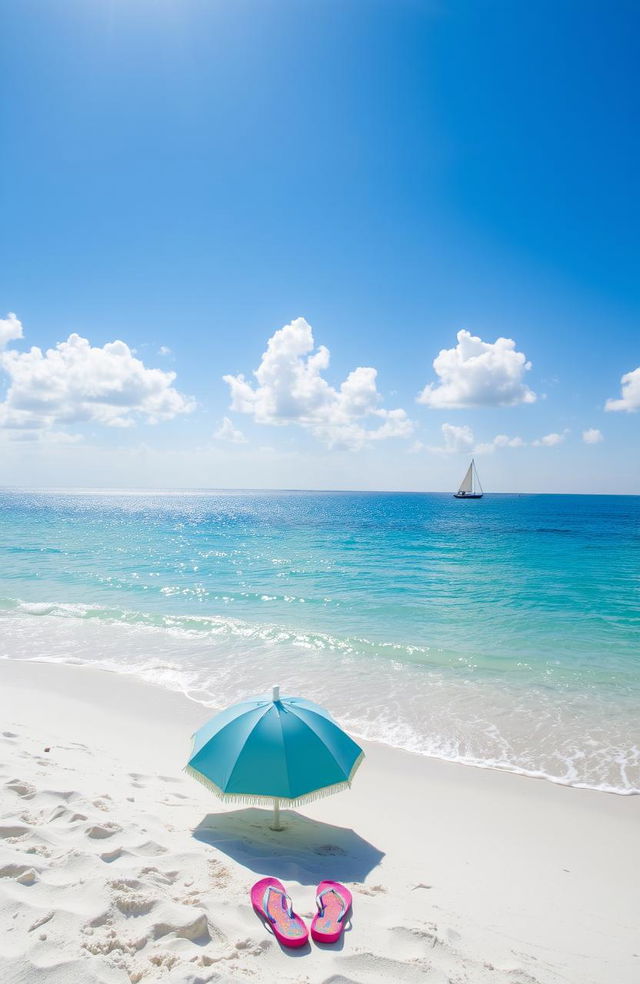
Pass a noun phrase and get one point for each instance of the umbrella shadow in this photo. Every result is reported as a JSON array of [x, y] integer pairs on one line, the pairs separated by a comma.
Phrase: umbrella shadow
[[306, 851]]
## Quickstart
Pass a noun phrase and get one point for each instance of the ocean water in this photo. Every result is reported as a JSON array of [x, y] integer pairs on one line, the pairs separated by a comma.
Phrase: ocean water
[[503, 632]]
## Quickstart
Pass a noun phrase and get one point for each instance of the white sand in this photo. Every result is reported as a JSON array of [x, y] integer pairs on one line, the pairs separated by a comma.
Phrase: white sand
[[115, 867]]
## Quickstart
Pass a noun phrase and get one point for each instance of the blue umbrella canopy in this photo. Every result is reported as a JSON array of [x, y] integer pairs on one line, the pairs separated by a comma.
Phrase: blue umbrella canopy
[[284, 749]]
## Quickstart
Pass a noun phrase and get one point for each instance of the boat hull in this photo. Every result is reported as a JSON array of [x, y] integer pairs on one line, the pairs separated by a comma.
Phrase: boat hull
[[468, 495]]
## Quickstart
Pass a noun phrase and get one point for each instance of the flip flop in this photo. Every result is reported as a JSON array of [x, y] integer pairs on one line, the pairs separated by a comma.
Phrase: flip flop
[[334, 902], [273, 905]]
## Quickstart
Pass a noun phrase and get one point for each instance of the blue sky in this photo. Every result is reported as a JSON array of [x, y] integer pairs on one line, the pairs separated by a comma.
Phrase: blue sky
[[195, 175]]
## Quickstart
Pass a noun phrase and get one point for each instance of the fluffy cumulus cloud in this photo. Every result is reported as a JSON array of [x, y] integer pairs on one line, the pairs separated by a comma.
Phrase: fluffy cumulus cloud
[[290, 388], [76, 382], [503, 441], [457, 438], [592, 436], [227, 432], [550, 440], [630, 395], [478, 374], [461, 439], [499, 441], [10, 330]]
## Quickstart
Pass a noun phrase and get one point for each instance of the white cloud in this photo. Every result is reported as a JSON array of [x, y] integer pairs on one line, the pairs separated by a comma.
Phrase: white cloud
[[164, 350], [10, 329], [76, 382], [503, 441], [457, 438], [461, 439], [592, 436], [550, 440], [227, 432], [499, 441], [292, 390], [477, 373], [630, 398]]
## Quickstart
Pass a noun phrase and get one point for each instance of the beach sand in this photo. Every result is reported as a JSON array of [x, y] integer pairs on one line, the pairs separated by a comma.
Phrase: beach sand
[[115, 867]]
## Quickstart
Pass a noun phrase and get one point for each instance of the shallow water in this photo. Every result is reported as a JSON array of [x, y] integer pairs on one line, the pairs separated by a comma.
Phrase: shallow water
[[500, 632]]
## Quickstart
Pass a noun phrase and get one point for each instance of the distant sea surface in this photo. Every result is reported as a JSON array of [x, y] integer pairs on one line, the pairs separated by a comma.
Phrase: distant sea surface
[[502, 632]]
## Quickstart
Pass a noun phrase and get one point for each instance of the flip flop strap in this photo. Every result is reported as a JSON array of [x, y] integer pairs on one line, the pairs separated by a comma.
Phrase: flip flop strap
[[328, 891], [285, 898]]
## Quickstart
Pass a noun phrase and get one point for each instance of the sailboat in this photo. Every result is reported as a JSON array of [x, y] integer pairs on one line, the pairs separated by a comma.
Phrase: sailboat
[[470, 487]]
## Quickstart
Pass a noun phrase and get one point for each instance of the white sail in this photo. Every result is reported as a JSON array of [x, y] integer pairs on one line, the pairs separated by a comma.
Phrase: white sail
[[470, 485], [477, 487], [466, 485]]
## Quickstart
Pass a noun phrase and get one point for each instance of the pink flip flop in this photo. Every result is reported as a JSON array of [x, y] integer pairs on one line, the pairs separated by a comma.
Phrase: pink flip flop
[[273, 905], [334, 902]]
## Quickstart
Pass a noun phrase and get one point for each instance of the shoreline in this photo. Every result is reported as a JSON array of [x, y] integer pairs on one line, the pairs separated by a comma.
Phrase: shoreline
[[95, 666], [489, 723], [459, 874]]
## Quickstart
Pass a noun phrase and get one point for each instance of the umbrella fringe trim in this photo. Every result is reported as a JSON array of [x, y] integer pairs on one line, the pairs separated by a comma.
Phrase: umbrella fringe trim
[[251, 800]]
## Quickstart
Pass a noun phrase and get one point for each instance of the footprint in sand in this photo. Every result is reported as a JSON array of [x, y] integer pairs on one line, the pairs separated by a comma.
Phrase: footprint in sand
[[28, 877], [12, 832], [19, 872], [185, 926], [23, 789], [124, 884], [162, 877], [109, 856], [149, 849], [134, 904], [100, 831]]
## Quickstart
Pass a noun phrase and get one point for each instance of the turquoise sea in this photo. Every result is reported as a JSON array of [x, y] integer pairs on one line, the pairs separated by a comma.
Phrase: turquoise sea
[[503, 632]]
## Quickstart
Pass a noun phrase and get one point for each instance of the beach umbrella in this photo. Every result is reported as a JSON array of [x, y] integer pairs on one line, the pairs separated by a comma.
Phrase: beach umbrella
[[281, 749]]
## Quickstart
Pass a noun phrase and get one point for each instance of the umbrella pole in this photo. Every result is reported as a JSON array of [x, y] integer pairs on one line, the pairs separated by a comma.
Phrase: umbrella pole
[[276, 825]]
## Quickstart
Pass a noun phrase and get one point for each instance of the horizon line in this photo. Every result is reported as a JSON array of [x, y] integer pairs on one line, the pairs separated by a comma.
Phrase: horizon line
[[168, 490]]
